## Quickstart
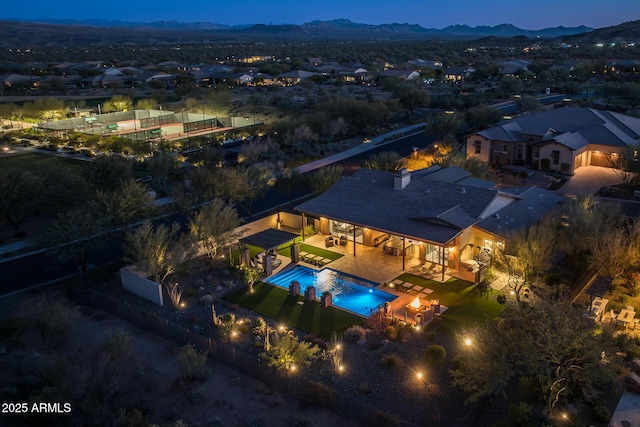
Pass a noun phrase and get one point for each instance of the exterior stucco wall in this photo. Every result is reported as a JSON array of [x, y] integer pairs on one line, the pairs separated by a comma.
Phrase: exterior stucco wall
[[485, 148]]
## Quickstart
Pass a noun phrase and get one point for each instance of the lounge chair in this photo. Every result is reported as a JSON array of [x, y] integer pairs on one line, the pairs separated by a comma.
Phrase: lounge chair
[[328, 242]]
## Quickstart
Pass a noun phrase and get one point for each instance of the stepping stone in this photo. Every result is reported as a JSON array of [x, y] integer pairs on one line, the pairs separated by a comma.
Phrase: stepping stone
[[427, 291], [418, 288], [406, 285], [422, 295], [398, 282]]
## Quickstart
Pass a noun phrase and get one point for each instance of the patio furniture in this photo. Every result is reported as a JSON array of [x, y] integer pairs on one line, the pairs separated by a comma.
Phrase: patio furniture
[[630, 308], [328, 242], [625, 317], [343, 240], [613, 316]]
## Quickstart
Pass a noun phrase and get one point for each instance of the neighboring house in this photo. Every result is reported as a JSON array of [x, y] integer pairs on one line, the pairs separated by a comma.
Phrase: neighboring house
[[623, 66], [422, 64], [456, 74], [437, 216], [511, 68], [293, 77], [562, 140], [400, 74]]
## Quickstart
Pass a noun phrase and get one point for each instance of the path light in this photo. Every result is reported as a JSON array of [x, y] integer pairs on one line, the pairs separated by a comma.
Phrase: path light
[[467, 341], [281, 328], [419, 375], [341, 368]]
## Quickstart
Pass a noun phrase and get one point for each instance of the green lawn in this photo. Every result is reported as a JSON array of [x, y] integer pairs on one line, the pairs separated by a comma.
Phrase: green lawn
[[275, 303], [285, 251], [36, 161], [467, 303]]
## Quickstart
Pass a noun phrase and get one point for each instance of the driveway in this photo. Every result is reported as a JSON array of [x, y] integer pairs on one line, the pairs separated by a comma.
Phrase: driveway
[[589, 179]]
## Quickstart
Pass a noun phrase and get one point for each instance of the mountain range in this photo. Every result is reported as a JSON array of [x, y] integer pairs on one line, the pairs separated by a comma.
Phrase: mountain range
[[333, 28]]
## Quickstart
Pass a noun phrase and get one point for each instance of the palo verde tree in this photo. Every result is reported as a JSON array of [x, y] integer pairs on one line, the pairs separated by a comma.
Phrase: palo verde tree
[[214, 227], [126, 203], [160, 251], [626, 164], [526, 254]]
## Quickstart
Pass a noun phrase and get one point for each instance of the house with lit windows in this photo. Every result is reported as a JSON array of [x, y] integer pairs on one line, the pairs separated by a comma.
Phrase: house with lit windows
[[442, 217], [560, 140]]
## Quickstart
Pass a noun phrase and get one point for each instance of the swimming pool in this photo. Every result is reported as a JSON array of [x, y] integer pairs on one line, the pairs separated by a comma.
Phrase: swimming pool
[[348, 292]]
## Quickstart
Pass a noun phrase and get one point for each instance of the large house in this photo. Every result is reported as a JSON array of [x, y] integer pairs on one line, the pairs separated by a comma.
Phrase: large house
[[560, 140], [439, 216]]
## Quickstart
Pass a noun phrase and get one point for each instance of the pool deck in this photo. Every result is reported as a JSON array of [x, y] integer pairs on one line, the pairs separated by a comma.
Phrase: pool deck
[[372, 264]]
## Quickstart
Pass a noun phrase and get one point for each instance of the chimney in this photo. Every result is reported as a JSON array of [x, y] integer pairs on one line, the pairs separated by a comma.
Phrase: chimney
[[401, 179]]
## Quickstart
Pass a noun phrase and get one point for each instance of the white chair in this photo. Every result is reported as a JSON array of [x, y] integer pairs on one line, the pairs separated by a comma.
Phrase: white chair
[[630, 308], [613, 316]]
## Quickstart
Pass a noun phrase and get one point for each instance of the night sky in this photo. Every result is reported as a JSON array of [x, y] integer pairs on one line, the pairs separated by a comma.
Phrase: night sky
[[531, 15]]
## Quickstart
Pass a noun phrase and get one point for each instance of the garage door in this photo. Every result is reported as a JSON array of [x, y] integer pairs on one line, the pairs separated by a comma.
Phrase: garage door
[[577, 161], [600, 159]]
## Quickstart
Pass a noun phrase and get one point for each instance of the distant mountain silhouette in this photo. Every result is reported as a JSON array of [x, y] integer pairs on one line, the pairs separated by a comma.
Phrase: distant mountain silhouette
[[627, 31], [333, 29]]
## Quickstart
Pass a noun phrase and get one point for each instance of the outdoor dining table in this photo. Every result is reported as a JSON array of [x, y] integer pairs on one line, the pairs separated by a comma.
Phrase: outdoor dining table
[[625, 317]]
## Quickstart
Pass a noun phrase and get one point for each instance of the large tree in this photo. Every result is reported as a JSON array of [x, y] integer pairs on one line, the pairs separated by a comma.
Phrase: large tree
[[526, 254], [74, 234], [554, 344], [160, 250], [214, 226], [128, 202], [322, 179]]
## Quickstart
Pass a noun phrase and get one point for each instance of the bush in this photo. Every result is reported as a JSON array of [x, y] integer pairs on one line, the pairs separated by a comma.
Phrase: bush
[[520, 414], [544, 164], [259, 327], [382, 419], [391, 360], [600, 412], [192, 362], [552, 279], [431, 335], [117, 344], [501, 298], [355, 334], [321, 394], [435, 354], [489, 276], [197, 394], [457, 361]]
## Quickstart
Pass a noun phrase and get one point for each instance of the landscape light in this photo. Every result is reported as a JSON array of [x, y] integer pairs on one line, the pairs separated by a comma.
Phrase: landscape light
[[467, 341]]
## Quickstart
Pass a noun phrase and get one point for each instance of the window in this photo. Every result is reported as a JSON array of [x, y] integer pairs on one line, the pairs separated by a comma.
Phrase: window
[[478, 146], [555, 157], [519, 153]]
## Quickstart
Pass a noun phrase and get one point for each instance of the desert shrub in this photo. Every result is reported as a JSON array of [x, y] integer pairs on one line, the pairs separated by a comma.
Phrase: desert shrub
[[117, 344], [378, 322], [192, 362], [398, 332], [527, 388], [431, 335], [375, 345], [354, 334], [197, 395], [435, 354], [383, 419], [501, 298], [49, 316], [321, 394], [364, 388], [314, 339], [457, 361], [489, 276], [600, 412], [259, 327], [520, 414], [132, 417], [552, 279], [391, 360]]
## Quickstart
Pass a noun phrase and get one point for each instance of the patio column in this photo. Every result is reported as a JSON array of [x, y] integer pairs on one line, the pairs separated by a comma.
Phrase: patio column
[[443, 267], [354, 240], [303, 218], [403, 250]]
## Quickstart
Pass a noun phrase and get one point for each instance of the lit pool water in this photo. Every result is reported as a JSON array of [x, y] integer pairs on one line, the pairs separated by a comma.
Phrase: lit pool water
[[348, 292]]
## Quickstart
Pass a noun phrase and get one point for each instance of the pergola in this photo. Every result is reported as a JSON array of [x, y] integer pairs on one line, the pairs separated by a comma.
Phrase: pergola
[[268, 239]]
